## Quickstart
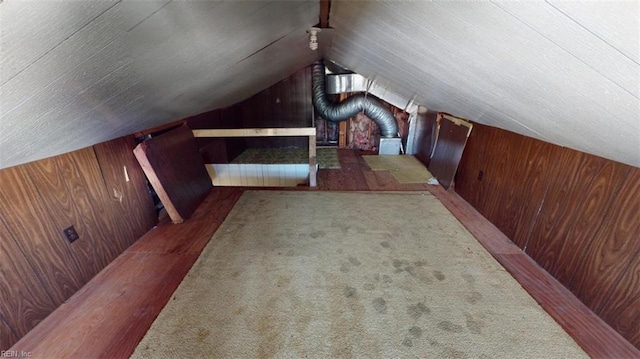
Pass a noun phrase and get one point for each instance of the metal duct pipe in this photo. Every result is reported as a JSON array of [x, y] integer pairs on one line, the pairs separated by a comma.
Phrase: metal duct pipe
[[351, 106]]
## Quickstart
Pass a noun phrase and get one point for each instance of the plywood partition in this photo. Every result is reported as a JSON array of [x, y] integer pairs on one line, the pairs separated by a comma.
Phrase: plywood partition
[[176, 171], [39, 268], [450, 141], [575, 214]]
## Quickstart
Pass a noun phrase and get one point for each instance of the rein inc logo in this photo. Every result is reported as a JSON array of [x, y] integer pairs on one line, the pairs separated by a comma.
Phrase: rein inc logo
[[14, 354]]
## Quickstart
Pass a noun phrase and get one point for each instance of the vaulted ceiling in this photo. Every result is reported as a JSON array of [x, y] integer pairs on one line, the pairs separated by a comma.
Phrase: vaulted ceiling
[[75, 73]]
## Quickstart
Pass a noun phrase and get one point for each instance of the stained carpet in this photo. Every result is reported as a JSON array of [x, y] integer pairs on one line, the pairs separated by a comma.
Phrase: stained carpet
[[325, 157], [404, 168], [349, 275]]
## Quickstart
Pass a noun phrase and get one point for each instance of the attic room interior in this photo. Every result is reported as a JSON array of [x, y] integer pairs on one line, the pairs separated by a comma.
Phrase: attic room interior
[[319, 178]]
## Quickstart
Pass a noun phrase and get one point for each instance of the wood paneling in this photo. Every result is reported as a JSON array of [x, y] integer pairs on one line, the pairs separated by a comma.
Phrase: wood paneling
[[7, 335], [622, 308], [452, 138], [40, 270], [575, 214], [110, 315], [130, 202], [41, 241], [218, 150], [285, 104], [23, 302], [176, 171]]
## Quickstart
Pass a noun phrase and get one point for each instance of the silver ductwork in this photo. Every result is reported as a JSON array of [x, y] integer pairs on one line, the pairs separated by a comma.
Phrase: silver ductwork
[[350, 107]]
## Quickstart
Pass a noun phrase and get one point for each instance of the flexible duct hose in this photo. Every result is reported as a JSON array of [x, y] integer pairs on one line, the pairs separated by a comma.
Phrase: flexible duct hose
[[351, 106]]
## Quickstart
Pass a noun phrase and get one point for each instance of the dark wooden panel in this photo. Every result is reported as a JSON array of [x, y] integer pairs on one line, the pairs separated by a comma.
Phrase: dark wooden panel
[[231, 117], [66, 210], [130, 202], [607, 278], [470, 177], [425, 128], [41, 242], [7, 335], [23, 300], [448, 152], [572, 211], [285, 104], [219, 150], [176, 170], [111, 314], [593, 210], [539, 164], [622, 308]]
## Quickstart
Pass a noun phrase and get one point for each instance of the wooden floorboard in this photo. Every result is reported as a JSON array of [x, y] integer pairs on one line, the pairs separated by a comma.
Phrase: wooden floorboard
[[109, 316]]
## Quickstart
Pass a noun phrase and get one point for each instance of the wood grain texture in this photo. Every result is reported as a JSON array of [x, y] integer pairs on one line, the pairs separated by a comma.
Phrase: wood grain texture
[[622, 308], [285, 104], [607, 277], [130, 203], [110, 315], [42, 243], [578, 197], [575, 214], [90, 252], [175, 168], [448, 151], [7, 334], [217, 150], [23, 300]]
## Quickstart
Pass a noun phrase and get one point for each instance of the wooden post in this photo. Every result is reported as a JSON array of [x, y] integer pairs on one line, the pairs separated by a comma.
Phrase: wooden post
[[312, 161]]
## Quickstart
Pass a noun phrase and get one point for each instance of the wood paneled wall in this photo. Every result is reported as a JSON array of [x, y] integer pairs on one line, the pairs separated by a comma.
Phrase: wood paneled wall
[[574, 213], [88, 189], [285, 104], [219, 150], [175, 168]]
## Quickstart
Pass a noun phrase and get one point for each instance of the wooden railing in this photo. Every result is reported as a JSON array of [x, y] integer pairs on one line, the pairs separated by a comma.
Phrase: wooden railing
[[271, 132]]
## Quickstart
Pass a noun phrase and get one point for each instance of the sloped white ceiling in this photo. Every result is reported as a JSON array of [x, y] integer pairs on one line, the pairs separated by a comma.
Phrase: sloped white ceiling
[[564, 72], [75, 73]]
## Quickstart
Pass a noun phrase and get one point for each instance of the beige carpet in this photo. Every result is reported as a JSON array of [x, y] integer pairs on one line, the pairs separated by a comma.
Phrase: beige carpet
[[349, 275], [404, 168]]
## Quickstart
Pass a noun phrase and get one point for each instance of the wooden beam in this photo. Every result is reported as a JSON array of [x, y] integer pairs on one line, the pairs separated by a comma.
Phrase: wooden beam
[[325, 6], [312, 161], [256, 132]]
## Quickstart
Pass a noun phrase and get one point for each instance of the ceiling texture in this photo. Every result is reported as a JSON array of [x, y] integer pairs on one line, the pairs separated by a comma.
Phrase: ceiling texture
[[76, 73]]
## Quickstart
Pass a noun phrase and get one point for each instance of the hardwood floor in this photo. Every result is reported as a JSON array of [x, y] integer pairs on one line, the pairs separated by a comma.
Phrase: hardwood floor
[[110, 315]]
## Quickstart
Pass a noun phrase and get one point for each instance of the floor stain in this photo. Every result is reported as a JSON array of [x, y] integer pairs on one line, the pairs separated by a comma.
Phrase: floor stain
[[410, 270], [407, 342], [415, 332], [473, 297], [417, 310], [386, 279], [369, 286], [474, 325], [450, 327], [419, 263], [439, 275], [349, 292], [344, 268], [203, 334], [385, 244], [380, 305], [354, 261], [318, 234], [397, 263]]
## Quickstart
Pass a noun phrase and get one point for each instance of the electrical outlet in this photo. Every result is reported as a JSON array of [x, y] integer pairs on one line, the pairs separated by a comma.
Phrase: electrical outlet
[[71, 234]]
